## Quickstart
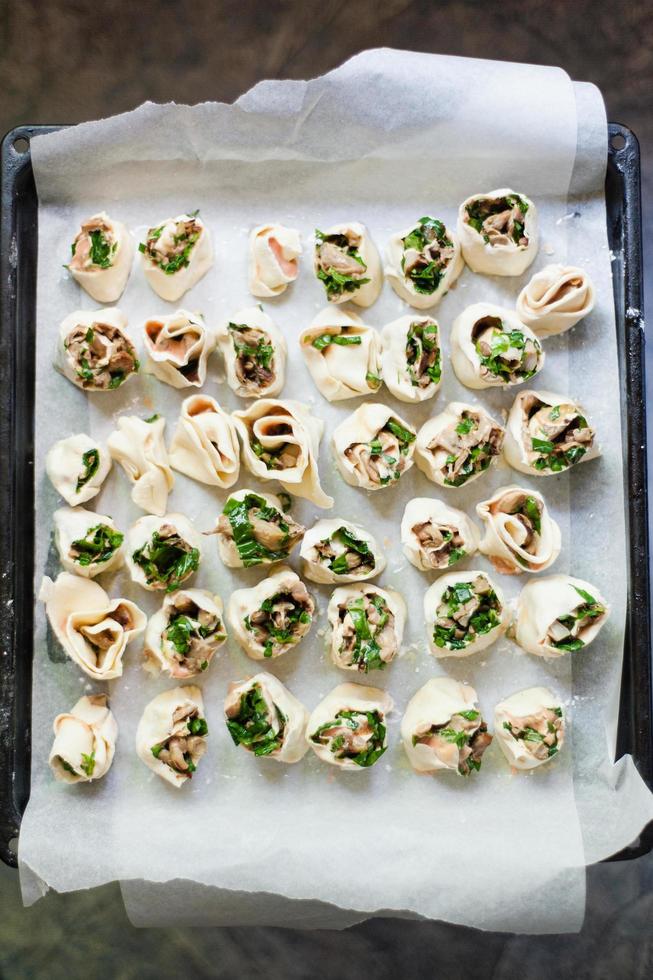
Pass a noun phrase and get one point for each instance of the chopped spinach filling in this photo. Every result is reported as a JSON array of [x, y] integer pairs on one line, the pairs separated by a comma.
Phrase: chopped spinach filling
[[365, 652], [480, 210], [251, 727], [578, 619], [423, 355], [280, 620], [102, 250], [456, 626], [348, 725], [166, 561], [184, 240], [262, 352], [98, 545], [428, 268], [250, 549], [91, 464], [339, 339], [339, 564], [336, 282]]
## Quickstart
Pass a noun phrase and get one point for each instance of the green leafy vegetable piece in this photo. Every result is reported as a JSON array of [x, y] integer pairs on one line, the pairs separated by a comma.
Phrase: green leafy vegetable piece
[[91, 464], [98, 545], [165, 562]]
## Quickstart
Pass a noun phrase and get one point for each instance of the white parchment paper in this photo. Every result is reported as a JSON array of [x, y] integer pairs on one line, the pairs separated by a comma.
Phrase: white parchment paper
[[387, 137]]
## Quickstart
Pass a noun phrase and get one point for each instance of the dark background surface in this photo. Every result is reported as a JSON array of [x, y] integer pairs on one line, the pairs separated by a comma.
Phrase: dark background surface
[[65, 61]]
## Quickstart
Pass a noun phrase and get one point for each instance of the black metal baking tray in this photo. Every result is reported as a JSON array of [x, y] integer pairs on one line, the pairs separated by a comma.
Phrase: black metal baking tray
[[18, 257]]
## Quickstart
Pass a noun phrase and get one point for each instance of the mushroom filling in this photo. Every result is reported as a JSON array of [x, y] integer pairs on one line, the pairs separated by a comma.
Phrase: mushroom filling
[[509, 356], [186, 744], [170, 245], [382, 460], [525, 530], [254, 352], [98, 545], [261, 533], [440, 545], [167, 559], [282, 620], [176, 347], [192, 635], [90, 466], [568, 632], [461, 741], [94, 247], [339, 263], [255, 722], [102, 355], [366, 629], [102, 636], [500, 221], [423, 355], [282, 457], [354, 734], [427, 252], [555, 436], [466, 611], [541, 734], [470, 444], [345, 554]]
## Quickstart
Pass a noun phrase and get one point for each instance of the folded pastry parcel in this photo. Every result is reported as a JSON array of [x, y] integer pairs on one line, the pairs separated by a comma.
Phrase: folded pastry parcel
[[367, 626], [265, 719], [348, 728], [347, 263], [101, 257], [178, 346], [176, 254], [94, 350], [171, 735], [423, 262], [271, 618], [84, 741], [254, 353], [498, 232], [182, 637]]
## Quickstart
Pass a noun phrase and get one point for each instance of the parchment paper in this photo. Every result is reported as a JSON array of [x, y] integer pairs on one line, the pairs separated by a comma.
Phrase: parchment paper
[[387, 137]]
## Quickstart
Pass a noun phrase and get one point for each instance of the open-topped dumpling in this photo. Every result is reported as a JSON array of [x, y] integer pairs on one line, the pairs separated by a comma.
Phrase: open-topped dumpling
[[555, 299], [171, 735], [182, 637], [265, 719], [337, 550], [254, 353], [281, 441], [92, 628], [558, 614], [411, 362], [101, 257], [348, 728], [347, 262], [530, 727], [137, 444], [373, 448], [465, 612], [435, 536], [95, 351], [342, 354], [88, 543], [520, 534], [176, 254], [205, 443], [423, 262], [271, 618], [548, 433], [491, 347], [458, 445], [77, 467], [84, 741], [443, 729], [178, 347], [498, 232], [255, 529], [273, 254], [367, 626], [162, 552]]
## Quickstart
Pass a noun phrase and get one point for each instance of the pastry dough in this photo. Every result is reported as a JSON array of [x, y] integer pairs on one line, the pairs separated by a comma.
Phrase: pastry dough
[[555, 299], [271, 618], [176, 254], [423, 262], [348, 728], [498, 232], [205, 443], [77, 468], [266, 719], [94, 350], [254, 529], [337, 550], [558, 614], [520, 534], [443, 729], [101, 258], [88, 543], [491, 347], [92, 628], [342, 354], [548, 433], [374, 447], [458, 445], [162, 552], [171, 735], [281, 441], [367, 626], [178, 347], [182, 637], [254, 353], [465, 612], [273, 253], [411, 362], [347, 262], [435, 536], [530, 727], [84, 741], [139, 448]]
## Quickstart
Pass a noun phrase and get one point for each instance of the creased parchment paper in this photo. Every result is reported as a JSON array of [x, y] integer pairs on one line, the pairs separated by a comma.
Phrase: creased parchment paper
[[384, 139]]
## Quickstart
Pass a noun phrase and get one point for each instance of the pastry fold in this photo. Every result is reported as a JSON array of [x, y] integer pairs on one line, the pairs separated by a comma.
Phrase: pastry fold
[[498, 232], [273, 254], [342, 354], [411, 362], [171, 735], [84, 741], [184, 634], [458, 445], [77, 467], [348, 727], [558, 614], [367, 626], [176, 254], [178, 347], [555, 299], [423, 262], [530, 727], [94, 350], [271, 618], [465, 612], [347, 263], [205, 443], [520, 534], [88, 543], [373, 447], [255, 529], [548, 433], [162, 552], [138, 446], [435, 536], [254, 353], [337, 550], [266, 719], [101, 257], [492, 348]]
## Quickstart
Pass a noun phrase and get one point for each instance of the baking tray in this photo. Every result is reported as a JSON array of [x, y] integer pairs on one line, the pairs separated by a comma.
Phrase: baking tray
[[18, 258]]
